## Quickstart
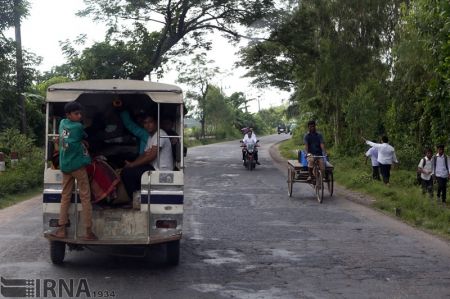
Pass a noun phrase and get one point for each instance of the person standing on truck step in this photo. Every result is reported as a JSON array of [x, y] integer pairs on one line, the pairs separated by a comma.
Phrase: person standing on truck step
[[73, 159], [132, 172]]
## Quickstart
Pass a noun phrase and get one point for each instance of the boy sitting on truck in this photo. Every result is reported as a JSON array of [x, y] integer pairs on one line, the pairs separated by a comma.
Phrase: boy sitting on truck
[[132, 172]]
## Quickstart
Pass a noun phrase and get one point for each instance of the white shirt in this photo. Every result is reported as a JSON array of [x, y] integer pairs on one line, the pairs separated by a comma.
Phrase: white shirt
[[373, 154], [428, 168], [386, 153], [440, 170], [165, 151], [251, 139]]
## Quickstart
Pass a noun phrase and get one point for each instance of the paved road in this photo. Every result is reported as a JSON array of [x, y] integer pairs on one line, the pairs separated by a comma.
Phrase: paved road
[[245, 238]]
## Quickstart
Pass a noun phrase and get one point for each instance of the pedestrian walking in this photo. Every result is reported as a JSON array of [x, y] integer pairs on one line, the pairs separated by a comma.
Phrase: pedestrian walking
[[441, 173], [425, 169], [372, 153], [386, 157]]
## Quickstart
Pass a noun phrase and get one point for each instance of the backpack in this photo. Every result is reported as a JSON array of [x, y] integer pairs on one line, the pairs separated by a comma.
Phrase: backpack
[[419, 177], [434, 163]]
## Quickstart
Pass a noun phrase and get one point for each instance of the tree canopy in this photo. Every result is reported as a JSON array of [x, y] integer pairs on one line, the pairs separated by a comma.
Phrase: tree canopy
[[143, 34], [363, 68]]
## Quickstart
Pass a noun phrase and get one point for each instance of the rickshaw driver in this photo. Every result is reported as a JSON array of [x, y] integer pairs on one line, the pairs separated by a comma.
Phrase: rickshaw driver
[[250, 137], [132, 172], [314, 146]]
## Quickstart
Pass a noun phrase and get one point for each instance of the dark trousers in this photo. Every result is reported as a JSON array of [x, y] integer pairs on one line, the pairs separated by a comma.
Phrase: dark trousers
[[131, 177], [442, 188], [385, 170], [255, 155], [376, 172], [427, 187]]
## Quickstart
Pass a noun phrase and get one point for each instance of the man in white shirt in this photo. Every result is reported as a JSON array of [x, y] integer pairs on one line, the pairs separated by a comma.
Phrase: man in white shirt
[[250, 137], [425, 168], [442, 173], [386, 157], [372, 153], [132, 172]]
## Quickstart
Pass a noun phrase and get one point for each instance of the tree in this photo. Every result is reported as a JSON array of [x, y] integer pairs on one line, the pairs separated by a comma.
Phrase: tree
[[180, 21], [325, 51], [19, 11], [220, 113], [419, 115], [12, 61], [198, 75]]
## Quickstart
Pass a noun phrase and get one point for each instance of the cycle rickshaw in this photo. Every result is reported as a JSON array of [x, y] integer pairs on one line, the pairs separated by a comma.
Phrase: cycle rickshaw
[[298, 173]]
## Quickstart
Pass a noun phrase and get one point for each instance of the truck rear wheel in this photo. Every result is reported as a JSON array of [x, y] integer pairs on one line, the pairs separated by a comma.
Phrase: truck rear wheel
[[173, 252], [57, 252]]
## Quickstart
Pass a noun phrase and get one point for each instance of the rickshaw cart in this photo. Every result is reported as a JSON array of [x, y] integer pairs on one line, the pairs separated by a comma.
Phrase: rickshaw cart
[[298, 173]]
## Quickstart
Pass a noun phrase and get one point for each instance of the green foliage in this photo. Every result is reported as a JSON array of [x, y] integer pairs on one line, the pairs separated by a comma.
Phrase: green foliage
[[133, 51], [12, 140], [28, 174], [363, 69]]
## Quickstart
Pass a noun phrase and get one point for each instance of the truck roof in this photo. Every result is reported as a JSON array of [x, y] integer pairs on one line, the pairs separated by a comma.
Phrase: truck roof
[[158, 92]]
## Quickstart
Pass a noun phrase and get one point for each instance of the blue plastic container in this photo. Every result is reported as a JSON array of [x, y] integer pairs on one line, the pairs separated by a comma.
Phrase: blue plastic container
[[302, 158]]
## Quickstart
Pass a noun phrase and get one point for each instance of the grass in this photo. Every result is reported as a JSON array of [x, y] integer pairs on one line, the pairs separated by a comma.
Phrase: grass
[[10, 200], [415, 208]]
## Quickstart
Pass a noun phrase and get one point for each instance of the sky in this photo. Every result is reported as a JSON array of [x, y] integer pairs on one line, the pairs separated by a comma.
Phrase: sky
[[52, 21]]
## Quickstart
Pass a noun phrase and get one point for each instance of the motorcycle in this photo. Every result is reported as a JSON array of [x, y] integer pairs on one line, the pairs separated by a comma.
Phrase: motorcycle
[[249, 151]]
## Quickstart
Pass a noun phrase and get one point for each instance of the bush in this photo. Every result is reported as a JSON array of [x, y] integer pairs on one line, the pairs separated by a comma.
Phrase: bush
[[408, 156], [26, 175]]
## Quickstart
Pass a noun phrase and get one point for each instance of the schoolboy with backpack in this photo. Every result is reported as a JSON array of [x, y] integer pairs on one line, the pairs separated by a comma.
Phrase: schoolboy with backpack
[[441, 173], [425, 171]]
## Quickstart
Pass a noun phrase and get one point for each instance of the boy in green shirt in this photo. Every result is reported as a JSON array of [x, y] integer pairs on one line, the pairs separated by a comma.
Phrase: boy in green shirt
[[73, 158]]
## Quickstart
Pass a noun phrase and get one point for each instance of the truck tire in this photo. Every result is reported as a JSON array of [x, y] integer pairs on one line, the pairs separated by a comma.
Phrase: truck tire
[[173, 252], [57, 252]]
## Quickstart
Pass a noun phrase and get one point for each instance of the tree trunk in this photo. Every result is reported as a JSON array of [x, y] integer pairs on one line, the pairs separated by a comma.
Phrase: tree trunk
[[19, 67]]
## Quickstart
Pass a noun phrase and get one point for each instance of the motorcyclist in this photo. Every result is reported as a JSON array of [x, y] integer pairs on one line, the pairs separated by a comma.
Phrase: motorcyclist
[[250, 137]]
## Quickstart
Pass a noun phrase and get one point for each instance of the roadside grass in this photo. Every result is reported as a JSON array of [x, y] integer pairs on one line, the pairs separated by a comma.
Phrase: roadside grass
[[402, 198], [13, 199]]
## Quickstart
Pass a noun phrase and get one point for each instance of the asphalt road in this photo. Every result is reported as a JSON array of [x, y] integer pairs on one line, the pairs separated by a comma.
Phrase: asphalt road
[[245, 238]]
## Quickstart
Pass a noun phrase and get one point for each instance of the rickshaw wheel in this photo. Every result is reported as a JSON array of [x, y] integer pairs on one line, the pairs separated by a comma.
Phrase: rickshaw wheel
[[173, 252], [290, 182], [319, 186], [330, 183], [57, 252]]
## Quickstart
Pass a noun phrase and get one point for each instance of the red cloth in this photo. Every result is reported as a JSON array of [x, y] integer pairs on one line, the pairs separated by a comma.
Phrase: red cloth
[[103, 179]]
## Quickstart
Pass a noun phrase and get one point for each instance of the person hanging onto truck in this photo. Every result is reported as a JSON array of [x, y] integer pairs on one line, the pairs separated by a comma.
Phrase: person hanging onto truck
[[73, 159], [132, 172], [138, 131]]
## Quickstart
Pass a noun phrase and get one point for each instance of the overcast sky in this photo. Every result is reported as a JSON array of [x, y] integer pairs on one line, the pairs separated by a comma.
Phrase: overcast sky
[[51, 21]]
